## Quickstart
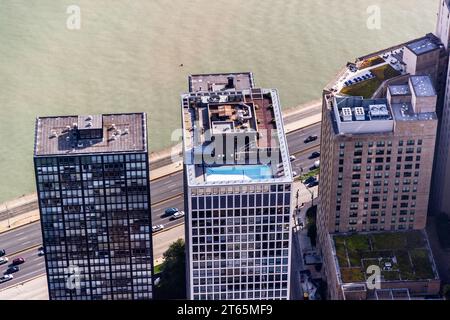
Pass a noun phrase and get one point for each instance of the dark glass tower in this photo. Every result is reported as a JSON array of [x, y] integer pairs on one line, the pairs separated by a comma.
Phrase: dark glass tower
[[92, 179]]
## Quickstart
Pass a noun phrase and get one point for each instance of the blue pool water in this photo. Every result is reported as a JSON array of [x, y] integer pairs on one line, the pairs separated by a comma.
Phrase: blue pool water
[[243, 172]]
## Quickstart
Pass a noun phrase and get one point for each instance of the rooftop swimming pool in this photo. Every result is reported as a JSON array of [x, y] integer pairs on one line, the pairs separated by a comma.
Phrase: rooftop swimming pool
[[239, 173]]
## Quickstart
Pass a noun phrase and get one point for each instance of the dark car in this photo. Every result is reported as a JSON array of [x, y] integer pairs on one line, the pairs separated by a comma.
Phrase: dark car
[[313, 184], [18, 261], [12, 269], [311, 139], [2, 252], [315, 155], [310, 180]]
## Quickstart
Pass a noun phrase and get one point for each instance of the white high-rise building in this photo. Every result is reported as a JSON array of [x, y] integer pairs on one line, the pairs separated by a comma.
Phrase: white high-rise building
[[238, 190]]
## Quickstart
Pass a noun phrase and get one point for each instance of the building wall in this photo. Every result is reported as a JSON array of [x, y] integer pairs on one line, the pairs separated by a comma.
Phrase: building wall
[[95, 217], [443, 23], [378, 181], [239, 242]]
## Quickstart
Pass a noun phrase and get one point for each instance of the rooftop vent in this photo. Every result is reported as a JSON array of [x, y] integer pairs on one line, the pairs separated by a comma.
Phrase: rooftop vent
[[360, 114], [53, 134], [347, 114], [379, 110]]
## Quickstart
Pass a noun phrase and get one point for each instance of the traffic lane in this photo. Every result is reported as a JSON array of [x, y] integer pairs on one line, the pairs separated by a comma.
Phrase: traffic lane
[[166, 188], [21, 238], [158, 212], [34, 265], [297, 144]]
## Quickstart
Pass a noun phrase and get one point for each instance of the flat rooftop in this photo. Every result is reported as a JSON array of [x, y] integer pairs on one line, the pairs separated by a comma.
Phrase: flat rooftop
[[405, 112], [234, 135], [72, 135], [356, 115], [423, 45], [221, 82], [400, 90], [422, 86], [401, 256]]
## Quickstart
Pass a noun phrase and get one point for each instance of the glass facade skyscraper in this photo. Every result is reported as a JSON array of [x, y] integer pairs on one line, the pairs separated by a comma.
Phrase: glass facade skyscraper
[[92, 177], [238, 190]]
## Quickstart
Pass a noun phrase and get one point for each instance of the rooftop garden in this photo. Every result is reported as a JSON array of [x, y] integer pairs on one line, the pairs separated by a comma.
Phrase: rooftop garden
[[367, 88], [401, 256], [370, 62]]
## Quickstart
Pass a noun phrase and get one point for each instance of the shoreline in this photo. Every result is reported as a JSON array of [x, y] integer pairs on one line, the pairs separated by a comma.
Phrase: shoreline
[[157, 155]]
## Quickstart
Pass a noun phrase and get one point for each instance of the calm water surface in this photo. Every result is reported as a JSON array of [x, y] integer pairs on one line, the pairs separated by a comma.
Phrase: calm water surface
[[127, 57]]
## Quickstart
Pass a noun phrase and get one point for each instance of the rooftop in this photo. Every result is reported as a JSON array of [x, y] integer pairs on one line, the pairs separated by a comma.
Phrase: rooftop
[[111, 133], [422, 86], [400, 90], [356, 115], [402, 256], [423, 45], [234, 135], [220, 82]]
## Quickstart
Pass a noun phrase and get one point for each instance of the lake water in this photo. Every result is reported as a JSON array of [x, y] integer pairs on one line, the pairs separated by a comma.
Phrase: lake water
[[127, 55]]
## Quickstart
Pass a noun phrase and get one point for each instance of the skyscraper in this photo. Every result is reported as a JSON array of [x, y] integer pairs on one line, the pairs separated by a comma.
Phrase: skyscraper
[[379, 127], [92, 179], [238, 190]]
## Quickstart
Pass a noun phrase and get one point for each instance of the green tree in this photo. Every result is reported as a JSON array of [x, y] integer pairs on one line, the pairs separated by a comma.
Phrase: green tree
[[172, 284]]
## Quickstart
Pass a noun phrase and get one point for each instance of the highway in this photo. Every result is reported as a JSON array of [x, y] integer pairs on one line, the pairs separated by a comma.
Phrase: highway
[[165, 192]]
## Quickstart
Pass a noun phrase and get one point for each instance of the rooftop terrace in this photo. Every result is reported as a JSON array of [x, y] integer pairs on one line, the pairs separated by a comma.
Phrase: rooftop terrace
[[423, 45], [69, 135], [220, 82], [422, 86], [401, 256], [227, 130]]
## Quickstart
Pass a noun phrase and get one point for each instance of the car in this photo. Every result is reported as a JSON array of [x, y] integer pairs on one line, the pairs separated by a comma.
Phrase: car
[[317, 164], [12, 270], [315, 155], [4, 260], [311, 139], [170, 211], [18, 261], [2, 252], [41, 251], [292, 158], [6, 277], [310, 180], [313, 184], [157, 228], [294, 174], [177, 215]]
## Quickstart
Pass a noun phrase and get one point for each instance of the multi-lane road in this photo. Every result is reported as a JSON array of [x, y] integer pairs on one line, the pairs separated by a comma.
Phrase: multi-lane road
[[165, 192]]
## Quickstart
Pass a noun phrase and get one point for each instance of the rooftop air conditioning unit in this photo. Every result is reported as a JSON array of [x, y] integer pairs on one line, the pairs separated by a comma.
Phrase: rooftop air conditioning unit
[[347, 114], [360, 114]]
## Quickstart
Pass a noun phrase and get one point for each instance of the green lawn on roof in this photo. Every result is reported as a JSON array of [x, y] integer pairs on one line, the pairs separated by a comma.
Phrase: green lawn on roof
[[367, 88], [405, 251]]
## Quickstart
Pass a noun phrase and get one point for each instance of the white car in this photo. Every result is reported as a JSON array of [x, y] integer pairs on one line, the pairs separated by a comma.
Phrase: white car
[[4, 260], [294, 173], [157, 228], [317, 164], [292, 158], [6, 277], [178, 215]]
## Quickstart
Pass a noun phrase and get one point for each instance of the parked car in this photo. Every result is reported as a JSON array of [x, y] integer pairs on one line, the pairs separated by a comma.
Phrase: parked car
[[41, 251], [3, 260], [6, 277], [292, 158], [2, 252], [18, 261], [315, 155], [170, 211], [311, 139], [177, 215], [157, 228], [313, 184], [12, 269], [310, 180], [317, 164], [294, 174]]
